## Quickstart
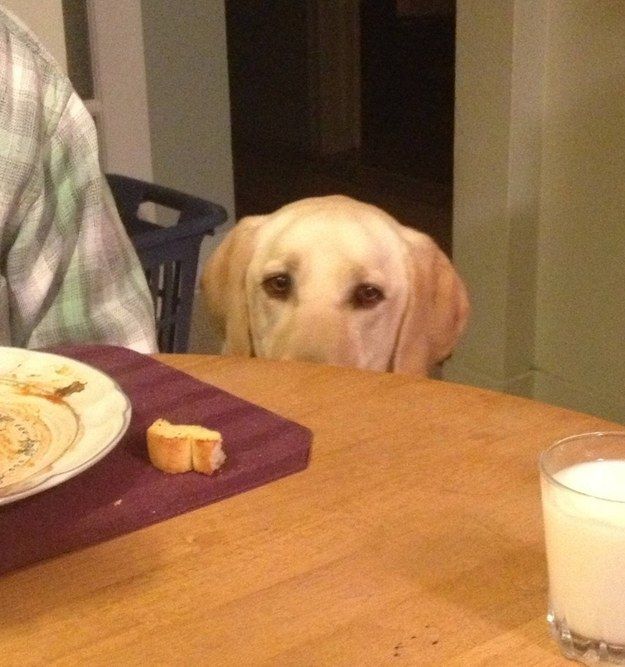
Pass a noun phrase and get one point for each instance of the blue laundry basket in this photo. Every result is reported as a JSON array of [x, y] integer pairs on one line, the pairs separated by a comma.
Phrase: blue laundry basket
[[169, 255]]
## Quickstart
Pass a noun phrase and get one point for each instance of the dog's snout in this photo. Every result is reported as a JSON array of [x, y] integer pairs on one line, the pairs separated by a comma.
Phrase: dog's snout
[[311, 336]]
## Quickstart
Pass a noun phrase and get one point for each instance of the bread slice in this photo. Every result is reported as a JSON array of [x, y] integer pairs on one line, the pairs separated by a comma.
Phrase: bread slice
[[178, 448]]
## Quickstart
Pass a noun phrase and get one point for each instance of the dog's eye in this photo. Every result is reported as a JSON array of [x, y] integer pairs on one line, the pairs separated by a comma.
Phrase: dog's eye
[[366, 296], [278, 286]]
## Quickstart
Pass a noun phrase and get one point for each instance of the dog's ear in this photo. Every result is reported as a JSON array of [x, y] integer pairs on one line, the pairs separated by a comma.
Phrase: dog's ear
[[223, 285], [437, 310]]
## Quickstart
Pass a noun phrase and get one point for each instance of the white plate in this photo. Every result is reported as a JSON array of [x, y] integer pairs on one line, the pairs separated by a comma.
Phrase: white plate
[[58, 417]]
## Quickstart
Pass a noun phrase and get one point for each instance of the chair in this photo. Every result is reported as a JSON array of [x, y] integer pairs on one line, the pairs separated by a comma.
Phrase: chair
[[169, 255]]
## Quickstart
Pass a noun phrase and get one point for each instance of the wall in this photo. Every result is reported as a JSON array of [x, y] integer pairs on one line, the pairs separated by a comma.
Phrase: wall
[[580, 335], [45, 19], [187, 86], [499, 62], [539, 188]]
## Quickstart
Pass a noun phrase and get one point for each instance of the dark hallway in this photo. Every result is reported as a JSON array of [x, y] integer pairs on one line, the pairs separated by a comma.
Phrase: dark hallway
[[385, 134]]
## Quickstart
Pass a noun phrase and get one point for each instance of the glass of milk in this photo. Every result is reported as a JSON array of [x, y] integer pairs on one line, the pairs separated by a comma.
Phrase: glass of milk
[[583, 496]]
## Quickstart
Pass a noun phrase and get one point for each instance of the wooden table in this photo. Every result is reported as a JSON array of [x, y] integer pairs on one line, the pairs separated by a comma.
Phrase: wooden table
[[413, 538]]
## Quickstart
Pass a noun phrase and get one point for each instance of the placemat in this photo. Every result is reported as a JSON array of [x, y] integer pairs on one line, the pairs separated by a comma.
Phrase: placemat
[[124, 492]]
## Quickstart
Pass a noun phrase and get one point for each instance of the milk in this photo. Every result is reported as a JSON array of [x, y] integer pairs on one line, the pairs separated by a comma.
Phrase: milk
[[585, 539]]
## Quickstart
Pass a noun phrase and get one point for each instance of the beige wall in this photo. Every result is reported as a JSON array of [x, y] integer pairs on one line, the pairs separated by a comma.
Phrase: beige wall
[[188, 101], [499, 62], [539, 224], [580, 336], [45, 19]]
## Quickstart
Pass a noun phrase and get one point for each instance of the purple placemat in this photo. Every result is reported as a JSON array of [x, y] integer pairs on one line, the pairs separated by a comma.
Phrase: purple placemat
[[123, 491]]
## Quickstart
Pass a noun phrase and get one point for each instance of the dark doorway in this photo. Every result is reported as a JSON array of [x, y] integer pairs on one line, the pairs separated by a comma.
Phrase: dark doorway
[[359, 103], [407, 89]]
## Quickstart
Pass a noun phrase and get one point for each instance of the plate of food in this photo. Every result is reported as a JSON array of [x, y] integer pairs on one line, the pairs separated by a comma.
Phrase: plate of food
[[58, 417]]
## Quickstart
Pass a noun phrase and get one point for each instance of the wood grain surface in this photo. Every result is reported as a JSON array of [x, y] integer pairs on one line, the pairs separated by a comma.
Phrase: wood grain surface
[[413, 538]]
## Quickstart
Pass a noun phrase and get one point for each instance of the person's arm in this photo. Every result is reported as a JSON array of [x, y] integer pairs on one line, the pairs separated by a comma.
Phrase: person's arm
[[86, 284]]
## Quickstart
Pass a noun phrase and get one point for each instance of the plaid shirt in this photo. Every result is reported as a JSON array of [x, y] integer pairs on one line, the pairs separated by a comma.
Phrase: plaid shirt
[[70, 273]]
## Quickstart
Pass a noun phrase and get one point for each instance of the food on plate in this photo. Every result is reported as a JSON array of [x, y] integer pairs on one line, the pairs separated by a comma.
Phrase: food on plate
[[37, 427], [58, 417], [178, 448], [70, 389]]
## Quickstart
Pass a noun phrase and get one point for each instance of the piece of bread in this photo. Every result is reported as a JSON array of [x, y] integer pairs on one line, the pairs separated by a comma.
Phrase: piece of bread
[[182, 447]]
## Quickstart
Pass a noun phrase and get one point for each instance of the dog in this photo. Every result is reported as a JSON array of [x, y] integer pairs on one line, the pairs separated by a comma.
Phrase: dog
[[338, 281]]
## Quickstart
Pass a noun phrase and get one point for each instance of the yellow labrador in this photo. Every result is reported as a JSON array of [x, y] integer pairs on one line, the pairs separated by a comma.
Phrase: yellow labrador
[[335, 280]]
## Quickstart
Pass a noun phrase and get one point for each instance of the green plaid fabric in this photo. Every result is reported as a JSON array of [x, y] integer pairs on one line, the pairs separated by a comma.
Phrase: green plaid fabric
[[70, 271]]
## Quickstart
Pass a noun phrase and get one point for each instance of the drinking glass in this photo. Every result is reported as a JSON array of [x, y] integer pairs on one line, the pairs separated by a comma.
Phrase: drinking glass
[[583, 497]]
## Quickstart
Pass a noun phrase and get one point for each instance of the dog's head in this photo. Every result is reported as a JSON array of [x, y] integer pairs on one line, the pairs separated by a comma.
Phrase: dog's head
[[334, 280]]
